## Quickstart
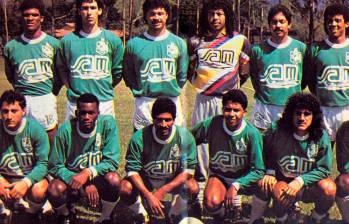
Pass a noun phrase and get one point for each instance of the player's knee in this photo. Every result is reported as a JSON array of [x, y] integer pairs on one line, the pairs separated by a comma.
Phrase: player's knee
[[38, 193], [342, 183], [113, 179], [327, 188], [213, 202], [56, 188], [278, 190], [125, 188]]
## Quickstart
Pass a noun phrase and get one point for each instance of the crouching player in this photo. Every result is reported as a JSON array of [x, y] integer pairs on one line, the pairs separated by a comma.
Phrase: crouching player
[[24, 154], [84, 159], [160, 160], [235, 150], [298, 159]]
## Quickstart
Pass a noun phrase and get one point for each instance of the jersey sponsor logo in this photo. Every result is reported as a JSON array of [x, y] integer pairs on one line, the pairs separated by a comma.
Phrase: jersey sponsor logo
[[228, 162], [295, 56], [172, 50], [312, 150], [35, 70], [102, 47], [164, 168], [334, 77], [85, 160], [91, 67], [159, 70], [293, 166], [17, 163], [47, 50], [281, 76], [26, 144], [175, 153], [218, 58], [241, 147]]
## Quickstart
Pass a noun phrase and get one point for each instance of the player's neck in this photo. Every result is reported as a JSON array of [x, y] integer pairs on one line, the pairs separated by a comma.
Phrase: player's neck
[[90, 29], [156, 33], [337, 40], [32, 35], [279, 40], [301, 133], [218, 33]]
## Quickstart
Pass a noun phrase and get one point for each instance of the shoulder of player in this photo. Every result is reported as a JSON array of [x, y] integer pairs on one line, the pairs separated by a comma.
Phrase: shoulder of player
[[12, 42], [112, 37], [251, 129], [34, 126], [70, 37], [106, 120]]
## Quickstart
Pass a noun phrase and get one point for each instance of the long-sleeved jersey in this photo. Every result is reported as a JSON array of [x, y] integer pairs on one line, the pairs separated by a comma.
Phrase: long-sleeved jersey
[[342, 148]]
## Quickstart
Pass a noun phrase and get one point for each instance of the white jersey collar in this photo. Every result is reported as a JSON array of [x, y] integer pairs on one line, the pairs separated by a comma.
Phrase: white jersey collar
[[88, 135], [237, 131], [168, 140], [301, 138], [34, 41], [333, 45], [20, 128], [157, 38], [282, 45], [91, 35]]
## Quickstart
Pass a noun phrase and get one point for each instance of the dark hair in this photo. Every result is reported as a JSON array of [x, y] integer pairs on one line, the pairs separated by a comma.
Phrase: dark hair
[[336, 9], [33, 4], [277, 9], [152, 4], [87, 98], [226, 6], [236, 96], [163, 105], [303, 101], [10, 97], [78, 22]]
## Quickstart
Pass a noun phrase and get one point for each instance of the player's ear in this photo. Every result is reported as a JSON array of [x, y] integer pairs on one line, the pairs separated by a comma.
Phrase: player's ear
[[100, 11]]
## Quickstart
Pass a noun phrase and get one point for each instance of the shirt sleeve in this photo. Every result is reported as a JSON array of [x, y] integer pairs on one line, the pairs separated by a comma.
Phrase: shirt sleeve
[[342, 148], [128, 67], [9, 69], [117, 58], [182, 64], [268, 140], [134, 154], [188, 159], [200, 131], [244, 61], [62, 66]]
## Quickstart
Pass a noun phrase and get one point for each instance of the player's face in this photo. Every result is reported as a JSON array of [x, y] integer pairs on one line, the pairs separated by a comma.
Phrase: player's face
[[336, 27], [87, 114], [216, 20], [12, 115], [32, 20], [156, 19], [279, 27], [302, 119], [89, 13], [233, 114], [163, 125]]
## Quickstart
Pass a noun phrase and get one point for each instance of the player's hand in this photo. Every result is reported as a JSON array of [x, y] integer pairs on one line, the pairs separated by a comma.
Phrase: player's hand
[[92, 195], [160, 193], [155, 205], [268, 183], [79, 179], [289, 195], [4, 191], [18, 189], [230, 196]]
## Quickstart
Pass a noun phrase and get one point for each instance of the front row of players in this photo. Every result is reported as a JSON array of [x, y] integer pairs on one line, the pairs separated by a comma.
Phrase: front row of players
[[161, 160]]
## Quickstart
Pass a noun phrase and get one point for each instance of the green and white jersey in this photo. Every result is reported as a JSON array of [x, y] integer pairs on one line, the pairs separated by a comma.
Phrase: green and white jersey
[[161, 159], [74, 151], [342, 148], [29, 64], [155, 66], [276, 70], [290, 156], [24, 153], [237, 154], [328, 75], [91, 62]]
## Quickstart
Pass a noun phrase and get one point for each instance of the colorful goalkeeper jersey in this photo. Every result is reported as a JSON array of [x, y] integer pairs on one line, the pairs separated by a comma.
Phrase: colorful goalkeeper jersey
[[29, 64], [24, 153], [276, 70], [218, 62], [289, 156], [91, 62], [73, 151], [342, 148], [155, 66], [161, 159], [235, 154]]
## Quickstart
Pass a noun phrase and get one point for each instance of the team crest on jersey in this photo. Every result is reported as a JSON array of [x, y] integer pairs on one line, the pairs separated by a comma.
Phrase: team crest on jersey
[[241, 147], [47, 50], [347, 57], [295, 56], [26, 144], [175, 153], [312, 150], [98, 142], [102, 47], [172, 50]]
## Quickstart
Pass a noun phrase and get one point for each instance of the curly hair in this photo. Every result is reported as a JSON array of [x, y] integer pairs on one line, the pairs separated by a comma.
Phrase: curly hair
[[230, 20], [152, 4], [10, 97], [336, 9], [33, 4], [303, 101], [163, 105], [277, 9], [236, 96]]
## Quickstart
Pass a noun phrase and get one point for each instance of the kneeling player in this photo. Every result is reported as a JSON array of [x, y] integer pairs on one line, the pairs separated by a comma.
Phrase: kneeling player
[[298, 159], [161, 159], [24, 154], [235, 149], [84, 159]]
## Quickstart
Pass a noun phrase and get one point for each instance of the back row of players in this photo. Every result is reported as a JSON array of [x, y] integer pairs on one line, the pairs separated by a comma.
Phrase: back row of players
[[155, 63]]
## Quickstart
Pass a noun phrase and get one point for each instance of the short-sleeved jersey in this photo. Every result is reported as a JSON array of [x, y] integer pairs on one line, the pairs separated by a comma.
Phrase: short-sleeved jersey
[[155, 66], [73, 151], [161, 159], [234, 154], [24, 153], [342, 148], [276, 70], [287, 156], [91, 63], [328, 75], [30, 64], [218, 62]]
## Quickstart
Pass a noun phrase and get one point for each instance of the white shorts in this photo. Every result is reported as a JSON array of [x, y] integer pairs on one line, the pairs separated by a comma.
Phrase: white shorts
[[263, 115], [105, 108], [43, 109], [333, 118], [205, 107], [142, 116]]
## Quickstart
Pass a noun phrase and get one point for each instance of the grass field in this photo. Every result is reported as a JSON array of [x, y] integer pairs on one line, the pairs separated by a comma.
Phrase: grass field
[[124, 110]]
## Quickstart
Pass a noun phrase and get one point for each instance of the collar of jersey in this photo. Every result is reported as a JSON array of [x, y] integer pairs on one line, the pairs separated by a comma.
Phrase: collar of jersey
[[34, 41], [91, 35], [301, 138], [282, 45], [19, 130], [169, 139], [333, 45], [88, 135], [157, 38], [237, 131]]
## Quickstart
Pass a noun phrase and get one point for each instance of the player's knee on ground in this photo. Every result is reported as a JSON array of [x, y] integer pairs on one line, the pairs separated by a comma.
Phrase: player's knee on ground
[[127, 195], [327, 188], [37, 193], [278, 190], [57, 192], [342, 183]]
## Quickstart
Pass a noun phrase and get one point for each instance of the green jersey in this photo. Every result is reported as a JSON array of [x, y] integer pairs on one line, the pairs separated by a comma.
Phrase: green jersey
[[161, 159], [155, 66], [276, 70], [342, 148], [24, 153], [91, 63], [290, 156], [29, 64], [74, 151], [235, 154]]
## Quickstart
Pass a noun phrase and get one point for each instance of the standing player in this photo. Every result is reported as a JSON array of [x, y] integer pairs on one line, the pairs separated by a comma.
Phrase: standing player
[[276, 68], [155, 64], [298, 159], [24, 154], [161, 160], [329, 66], [29, 66], [236, 162], [90, 59], [84, 159]]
